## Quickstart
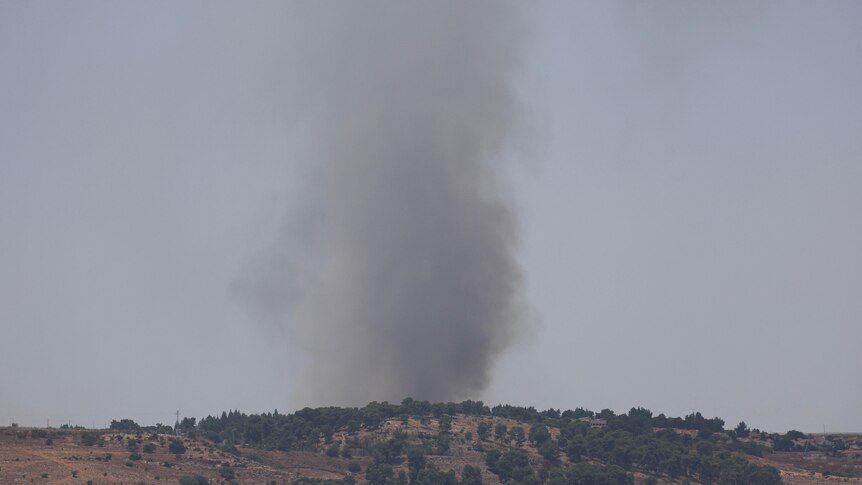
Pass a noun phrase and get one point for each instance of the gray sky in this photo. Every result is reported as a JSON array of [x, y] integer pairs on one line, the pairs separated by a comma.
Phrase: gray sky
[[688, 209]]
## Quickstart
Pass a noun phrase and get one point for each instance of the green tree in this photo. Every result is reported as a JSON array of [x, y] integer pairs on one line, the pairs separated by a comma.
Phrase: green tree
[[500, 432], [187, 424], [379, 473], [416, 462], [482, 430], [125, 425], [550, 451], [177, 447], [539, 434], [471, 476], [517, 434]]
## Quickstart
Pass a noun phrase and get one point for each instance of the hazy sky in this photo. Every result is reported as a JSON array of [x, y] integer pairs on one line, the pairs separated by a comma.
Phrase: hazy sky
[[687, 186]]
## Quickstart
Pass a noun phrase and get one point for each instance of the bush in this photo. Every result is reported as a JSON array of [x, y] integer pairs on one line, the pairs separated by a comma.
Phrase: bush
[[332, 450], [226, 472], [483, 429], [354, 467], [149, 448], [177, 447], [135, 456], [195, 480], [89, 439]]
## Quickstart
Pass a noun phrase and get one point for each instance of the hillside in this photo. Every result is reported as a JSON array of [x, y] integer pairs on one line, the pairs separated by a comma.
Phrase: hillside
[[421, 444]]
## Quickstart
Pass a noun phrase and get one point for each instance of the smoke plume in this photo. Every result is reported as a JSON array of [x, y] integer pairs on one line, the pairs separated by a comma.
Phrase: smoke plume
[[398, 274]]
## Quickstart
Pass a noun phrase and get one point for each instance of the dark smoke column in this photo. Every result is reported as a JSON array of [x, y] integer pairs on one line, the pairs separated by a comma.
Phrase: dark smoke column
[[399, 276]]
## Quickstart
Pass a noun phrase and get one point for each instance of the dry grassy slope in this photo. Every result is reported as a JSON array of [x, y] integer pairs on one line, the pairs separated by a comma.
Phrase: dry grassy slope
[[26, 460]]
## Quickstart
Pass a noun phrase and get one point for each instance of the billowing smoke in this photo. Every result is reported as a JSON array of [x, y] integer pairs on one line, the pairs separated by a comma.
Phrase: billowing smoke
[[397, 275]]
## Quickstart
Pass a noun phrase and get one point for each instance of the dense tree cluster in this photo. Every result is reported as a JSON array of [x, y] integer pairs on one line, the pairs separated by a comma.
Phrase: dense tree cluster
[[600, 452], [125, 425]]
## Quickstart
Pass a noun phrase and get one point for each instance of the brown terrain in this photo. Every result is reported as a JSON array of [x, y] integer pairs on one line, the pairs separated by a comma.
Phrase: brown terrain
[[65, 460]]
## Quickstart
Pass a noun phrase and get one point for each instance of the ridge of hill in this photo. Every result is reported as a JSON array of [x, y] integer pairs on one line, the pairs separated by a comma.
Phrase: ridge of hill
[[414, 443]]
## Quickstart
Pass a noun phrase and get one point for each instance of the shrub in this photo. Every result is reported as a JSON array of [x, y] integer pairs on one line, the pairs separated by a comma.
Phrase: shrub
[[149, 448], [89, 439], [226, 472], [195, 480], [135, 456], [483, 429], [332, 450], [177, 447], [354, 467]]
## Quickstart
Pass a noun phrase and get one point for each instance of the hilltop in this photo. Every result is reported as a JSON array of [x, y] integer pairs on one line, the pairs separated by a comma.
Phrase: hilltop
[[419, 443]]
